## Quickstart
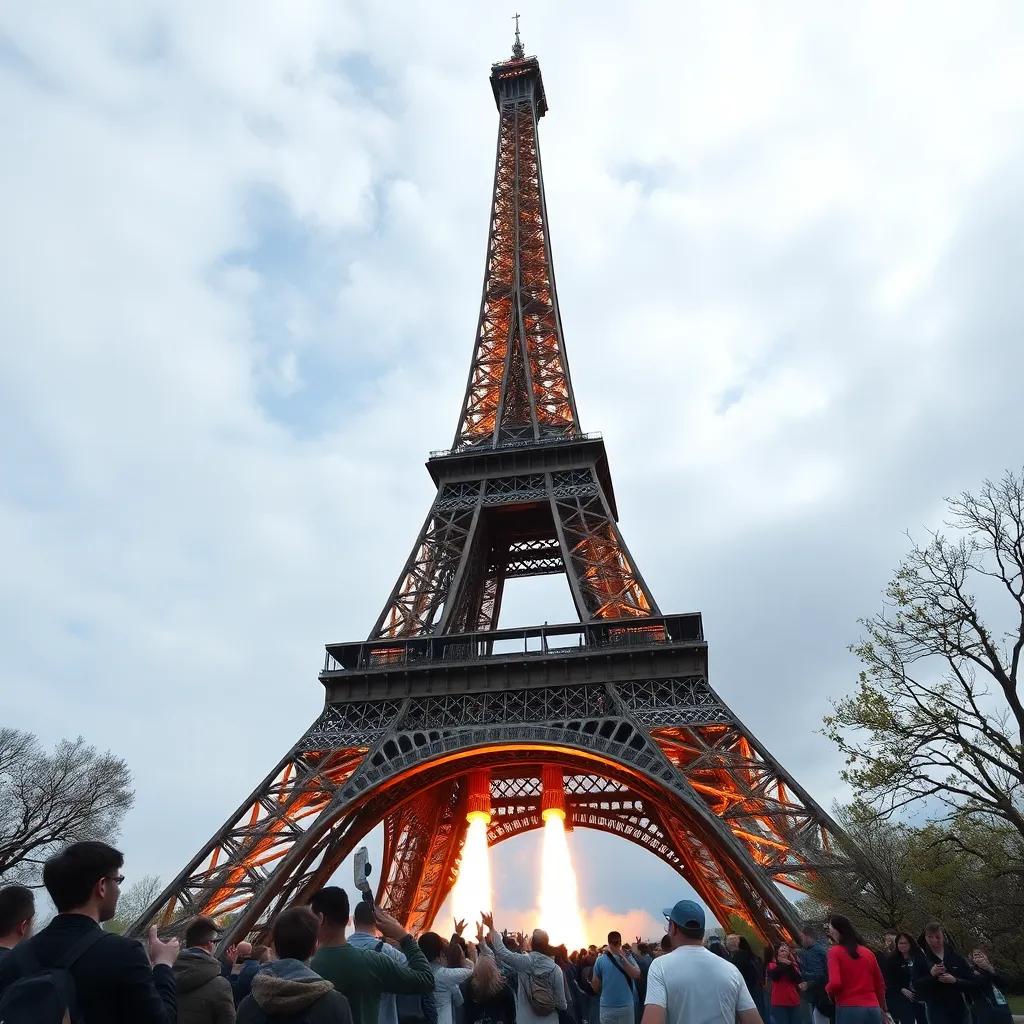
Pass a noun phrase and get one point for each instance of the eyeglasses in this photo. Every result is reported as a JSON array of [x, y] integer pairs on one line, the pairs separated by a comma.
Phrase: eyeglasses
[[114, 878]]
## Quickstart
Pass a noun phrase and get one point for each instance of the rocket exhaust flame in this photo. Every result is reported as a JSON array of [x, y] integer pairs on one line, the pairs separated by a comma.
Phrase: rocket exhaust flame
[[559, 906], [472, 892]]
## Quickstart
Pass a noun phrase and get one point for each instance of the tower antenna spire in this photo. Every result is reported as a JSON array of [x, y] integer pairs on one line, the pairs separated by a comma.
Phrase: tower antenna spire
[[517, 47]]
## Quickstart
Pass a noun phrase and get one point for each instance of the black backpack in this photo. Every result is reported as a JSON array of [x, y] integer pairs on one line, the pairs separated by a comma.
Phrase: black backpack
[[44, 995]]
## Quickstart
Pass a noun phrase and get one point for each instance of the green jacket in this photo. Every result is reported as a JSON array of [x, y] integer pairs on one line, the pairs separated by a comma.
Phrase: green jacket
[[362, 975]]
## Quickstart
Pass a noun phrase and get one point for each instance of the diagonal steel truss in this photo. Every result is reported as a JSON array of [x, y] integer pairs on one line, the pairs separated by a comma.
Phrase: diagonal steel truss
[[647, 749]]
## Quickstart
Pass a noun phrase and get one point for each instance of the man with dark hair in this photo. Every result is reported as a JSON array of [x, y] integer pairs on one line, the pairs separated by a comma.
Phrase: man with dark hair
[[948, 979], [812, 959], [114, 982], [691, 985], [616, 974], [17, 911], [364, 936], [362, 975], [288, 990], [204, 994]]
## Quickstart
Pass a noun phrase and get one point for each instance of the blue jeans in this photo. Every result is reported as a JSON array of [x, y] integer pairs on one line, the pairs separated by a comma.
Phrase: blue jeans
[[786, 1015], [858, 1015]]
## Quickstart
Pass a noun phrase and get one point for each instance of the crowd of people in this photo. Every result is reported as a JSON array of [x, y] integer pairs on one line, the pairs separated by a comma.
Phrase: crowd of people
[[317, 971]]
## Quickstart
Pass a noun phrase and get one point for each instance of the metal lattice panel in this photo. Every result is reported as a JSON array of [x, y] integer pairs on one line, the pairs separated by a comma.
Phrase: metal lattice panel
[[509, 706], [610, 586], [358, 723], [424, 586], [673, 701]]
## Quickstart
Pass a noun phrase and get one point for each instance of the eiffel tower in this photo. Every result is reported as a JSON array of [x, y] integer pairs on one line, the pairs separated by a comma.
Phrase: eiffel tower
[[616, 706]]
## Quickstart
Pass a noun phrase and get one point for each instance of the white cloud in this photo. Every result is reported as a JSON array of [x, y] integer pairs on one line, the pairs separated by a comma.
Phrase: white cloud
[[785, 246]]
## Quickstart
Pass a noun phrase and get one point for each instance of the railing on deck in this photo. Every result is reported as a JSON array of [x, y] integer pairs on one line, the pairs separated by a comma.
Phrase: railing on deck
[[535, 641]]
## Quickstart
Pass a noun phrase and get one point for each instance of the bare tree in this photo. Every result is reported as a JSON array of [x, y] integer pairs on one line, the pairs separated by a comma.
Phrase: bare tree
[[937, 715], [883, 896], [133, 902], [47, 799]]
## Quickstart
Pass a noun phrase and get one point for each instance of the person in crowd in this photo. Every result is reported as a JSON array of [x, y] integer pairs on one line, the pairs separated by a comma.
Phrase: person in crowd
[[248, 960], [288, 990], [716, 946], [784, 975], [899, 970], [751, 968], [115, 982], [234, 959], [888, 948], [570, 1015], [487, 995], [767, 956], [616, 975], [666, 943], [362, 975], [692, 985], [447, 979], [541, 991], [364, 936], [589, 1001], [813, 962], [204, 994], [855, 980], [988, 1003], [945, 978], [644, 958], [17, 912]]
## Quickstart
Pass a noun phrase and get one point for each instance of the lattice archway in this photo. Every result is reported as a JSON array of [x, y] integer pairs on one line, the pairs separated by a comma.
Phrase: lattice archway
[[423, 811]]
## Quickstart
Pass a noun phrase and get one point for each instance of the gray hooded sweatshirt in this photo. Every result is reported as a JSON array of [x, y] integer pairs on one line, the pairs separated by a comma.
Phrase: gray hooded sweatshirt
[[288, 990]]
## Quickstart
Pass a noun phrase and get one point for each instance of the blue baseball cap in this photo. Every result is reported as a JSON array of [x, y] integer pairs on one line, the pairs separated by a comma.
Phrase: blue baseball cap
[[686, 914]]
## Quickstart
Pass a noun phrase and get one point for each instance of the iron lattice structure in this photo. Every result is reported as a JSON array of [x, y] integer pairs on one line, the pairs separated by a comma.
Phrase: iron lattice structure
[[620, 701]]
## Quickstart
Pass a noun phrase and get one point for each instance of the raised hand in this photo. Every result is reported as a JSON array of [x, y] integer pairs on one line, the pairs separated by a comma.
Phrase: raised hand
[[387, 925], [162, 952], [460, 927], [479, 933], [487, 920], [231, 954]]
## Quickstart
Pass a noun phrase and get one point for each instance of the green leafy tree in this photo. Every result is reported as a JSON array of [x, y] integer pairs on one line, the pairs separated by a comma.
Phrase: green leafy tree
[[937, 716]]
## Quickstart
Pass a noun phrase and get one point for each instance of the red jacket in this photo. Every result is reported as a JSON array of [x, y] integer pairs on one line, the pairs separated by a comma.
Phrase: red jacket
[[855, 982], [785, 978]]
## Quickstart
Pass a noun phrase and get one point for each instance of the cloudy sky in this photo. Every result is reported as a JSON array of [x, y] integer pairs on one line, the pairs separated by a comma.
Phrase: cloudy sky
[[242, 246]]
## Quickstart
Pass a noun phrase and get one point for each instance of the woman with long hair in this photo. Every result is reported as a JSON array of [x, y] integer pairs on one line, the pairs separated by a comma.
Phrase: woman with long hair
[[854, 978], [486, 994], [784, 974], [988, 1003], [899, 970], [751, 968]]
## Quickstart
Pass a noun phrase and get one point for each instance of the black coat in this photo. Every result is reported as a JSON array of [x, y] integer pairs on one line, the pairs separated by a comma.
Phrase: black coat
[[941, 994], [899, 972], [114, 981]]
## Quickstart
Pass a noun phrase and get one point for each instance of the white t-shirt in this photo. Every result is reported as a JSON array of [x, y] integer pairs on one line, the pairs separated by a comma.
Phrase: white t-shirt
[[697, 987]]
